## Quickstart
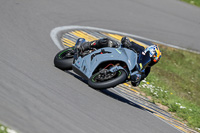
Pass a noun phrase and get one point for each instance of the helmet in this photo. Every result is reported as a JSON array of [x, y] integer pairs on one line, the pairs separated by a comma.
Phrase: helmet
[[154, 53]]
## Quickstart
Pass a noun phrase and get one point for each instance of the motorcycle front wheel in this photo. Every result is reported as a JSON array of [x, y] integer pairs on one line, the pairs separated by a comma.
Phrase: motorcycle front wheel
[[96, 82]]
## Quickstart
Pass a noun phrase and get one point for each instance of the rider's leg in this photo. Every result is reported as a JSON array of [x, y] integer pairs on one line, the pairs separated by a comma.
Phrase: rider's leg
[[105, 42], [126, 42], [85, 46]]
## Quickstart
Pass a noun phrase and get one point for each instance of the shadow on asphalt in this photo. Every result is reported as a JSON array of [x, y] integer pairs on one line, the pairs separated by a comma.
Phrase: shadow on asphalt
[[109, 92], [121, 99]]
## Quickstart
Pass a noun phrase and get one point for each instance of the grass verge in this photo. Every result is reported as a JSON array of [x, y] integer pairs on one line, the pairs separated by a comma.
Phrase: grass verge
[[174, 82], [193, 2], [4, 129]]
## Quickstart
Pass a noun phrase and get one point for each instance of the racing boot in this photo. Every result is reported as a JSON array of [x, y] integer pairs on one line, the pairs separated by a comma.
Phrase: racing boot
[[77, 50]]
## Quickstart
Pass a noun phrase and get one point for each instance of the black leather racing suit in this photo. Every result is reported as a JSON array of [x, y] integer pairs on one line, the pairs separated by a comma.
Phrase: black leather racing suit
[[139, 49]]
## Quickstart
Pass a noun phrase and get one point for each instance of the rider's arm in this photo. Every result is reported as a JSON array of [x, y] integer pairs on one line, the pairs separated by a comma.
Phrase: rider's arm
[[145, 73], [136, 47]]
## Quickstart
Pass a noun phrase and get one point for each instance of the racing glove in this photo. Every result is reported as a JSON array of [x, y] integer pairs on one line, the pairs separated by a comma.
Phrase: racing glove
[[135, 78]]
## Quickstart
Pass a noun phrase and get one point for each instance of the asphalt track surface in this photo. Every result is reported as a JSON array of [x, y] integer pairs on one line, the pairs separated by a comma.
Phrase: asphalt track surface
[[35, 97]]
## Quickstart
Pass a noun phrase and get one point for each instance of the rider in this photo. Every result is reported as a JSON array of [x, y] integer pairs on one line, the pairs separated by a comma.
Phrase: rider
[[146, 57]]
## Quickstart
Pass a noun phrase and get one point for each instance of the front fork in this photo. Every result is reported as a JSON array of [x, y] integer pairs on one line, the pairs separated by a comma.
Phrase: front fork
[[116, 68], [134, 77]]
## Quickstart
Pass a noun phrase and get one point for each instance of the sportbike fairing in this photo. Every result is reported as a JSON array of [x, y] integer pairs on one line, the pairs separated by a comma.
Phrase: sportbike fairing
[[85, 66]]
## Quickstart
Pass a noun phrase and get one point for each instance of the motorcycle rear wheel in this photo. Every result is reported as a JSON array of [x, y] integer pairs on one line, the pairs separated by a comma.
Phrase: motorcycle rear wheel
[[119, 78], [64, 59]]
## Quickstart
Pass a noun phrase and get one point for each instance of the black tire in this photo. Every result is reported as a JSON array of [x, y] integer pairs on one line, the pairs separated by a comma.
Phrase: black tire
[[64, 59], [121, 77]]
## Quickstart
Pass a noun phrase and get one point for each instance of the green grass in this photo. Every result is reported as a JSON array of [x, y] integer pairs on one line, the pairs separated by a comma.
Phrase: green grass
[[193, 2], [4, 129], [174, 82]]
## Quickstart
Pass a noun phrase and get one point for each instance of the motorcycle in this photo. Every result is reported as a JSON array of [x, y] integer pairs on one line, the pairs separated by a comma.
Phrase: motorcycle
[[102, 68]]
